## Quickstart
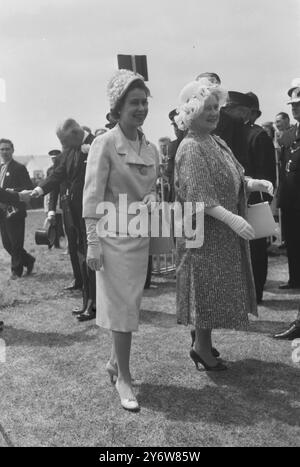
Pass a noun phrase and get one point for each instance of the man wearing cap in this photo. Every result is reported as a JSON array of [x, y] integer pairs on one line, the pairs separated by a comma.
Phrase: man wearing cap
[[71, 171], [289, 191], [289, 202]]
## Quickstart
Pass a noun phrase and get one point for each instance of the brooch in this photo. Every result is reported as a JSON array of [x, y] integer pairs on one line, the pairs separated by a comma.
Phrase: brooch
[[143, 170]]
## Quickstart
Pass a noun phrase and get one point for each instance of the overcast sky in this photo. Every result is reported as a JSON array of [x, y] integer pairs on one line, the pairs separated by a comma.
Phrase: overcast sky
[[57, 56]]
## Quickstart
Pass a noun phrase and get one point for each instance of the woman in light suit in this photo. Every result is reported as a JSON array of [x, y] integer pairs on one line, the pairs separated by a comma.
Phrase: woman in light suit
[[121, 163]]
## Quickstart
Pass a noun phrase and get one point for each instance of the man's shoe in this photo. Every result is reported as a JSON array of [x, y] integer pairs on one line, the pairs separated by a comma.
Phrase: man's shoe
[[293, 332], [289, 286], [78, 311], [87, 315], [14, 276], [30, 267], [73, 287]]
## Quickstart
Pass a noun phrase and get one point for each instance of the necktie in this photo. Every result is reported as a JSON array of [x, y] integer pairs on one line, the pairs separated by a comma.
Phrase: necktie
[[2, 174]]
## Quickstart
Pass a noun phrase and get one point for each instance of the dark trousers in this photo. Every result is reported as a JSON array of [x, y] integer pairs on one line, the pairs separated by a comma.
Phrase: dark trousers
[[291, 228], [88, 276], [149, 271], [12, 233], [59, 230], [71, 234], [259, 260]]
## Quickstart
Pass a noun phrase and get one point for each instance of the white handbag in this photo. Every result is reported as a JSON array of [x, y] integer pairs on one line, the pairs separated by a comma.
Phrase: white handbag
[[260, 217]]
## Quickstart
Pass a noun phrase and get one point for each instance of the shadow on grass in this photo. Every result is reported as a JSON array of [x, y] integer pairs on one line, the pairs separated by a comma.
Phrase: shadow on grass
[[48, 277], [249, 393], [158, 319], [23, 337], [268, 327], [281, 305]]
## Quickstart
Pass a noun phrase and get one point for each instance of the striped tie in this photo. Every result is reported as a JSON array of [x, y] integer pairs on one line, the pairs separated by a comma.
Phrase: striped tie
[[2, 174]]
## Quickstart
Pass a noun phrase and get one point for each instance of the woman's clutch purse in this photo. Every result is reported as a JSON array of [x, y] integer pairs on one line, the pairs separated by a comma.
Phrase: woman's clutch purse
[[260, 217]]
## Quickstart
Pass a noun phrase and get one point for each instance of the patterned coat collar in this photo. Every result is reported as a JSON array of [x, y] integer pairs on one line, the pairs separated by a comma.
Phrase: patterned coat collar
[[123, 148]]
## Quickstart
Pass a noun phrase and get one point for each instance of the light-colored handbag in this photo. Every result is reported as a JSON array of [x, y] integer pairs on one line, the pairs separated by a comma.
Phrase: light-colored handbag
[[260, 217]]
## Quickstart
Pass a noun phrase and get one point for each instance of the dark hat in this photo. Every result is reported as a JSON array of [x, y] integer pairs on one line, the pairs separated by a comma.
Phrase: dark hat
[[46, 235], [255, 102], [173, 114], [238, 98], [54, 152]]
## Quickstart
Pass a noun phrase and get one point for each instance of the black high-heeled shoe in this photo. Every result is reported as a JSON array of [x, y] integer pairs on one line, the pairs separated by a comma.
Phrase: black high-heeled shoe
[[197, 359], [214, 351]]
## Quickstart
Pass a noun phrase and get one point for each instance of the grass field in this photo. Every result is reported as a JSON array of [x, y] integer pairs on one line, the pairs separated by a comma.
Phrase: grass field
[[55, 392]]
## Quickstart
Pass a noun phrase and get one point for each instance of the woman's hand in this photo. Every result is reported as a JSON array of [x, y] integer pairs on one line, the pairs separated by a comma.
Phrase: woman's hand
[[94, 257], [241, 227], [260, 185], [247, 231], [148, 199]]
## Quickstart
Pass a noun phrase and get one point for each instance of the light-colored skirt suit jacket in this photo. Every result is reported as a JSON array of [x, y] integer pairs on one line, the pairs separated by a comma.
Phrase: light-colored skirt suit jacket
[[114, 168]]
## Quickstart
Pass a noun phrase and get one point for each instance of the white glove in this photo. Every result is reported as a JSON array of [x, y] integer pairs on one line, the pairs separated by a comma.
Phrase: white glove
[[237, 223], [149, 199], [51, 216], [260, 185], [94, 257], [85, 148], [240, 226]]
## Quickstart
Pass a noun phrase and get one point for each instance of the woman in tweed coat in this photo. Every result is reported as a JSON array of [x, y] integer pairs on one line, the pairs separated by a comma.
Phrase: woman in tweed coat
[[215, 286]]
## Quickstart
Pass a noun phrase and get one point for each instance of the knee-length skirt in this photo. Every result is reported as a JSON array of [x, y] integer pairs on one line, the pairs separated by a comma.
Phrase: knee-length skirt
[[120, 283]]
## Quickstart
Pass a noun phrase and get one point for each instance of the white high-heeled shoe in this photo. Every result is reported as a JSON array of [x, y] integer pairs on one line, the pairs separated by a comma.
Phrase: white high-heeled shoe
[[112, 370], [130, 404]]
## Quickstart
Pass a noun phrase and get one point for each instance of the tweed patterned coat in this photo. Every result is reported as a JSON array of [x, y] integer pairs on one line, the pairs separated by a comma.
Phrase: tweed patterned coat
[[215, 287]]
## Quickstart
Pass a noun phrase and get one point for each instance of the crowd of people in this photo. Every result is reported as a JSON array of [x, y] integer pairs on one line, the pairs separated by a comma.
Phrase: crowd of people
[[220, 158]]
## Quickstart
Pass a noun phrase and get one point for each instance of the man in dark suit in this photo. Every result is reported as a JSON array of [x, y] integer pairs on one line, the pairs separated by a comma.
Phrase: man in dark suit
[[259, 163], [262, 165], [12, 220], [289, 202], [172, 149], [289, 191], [52, 200], [13, 198], [71, 171], [58, 195]]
